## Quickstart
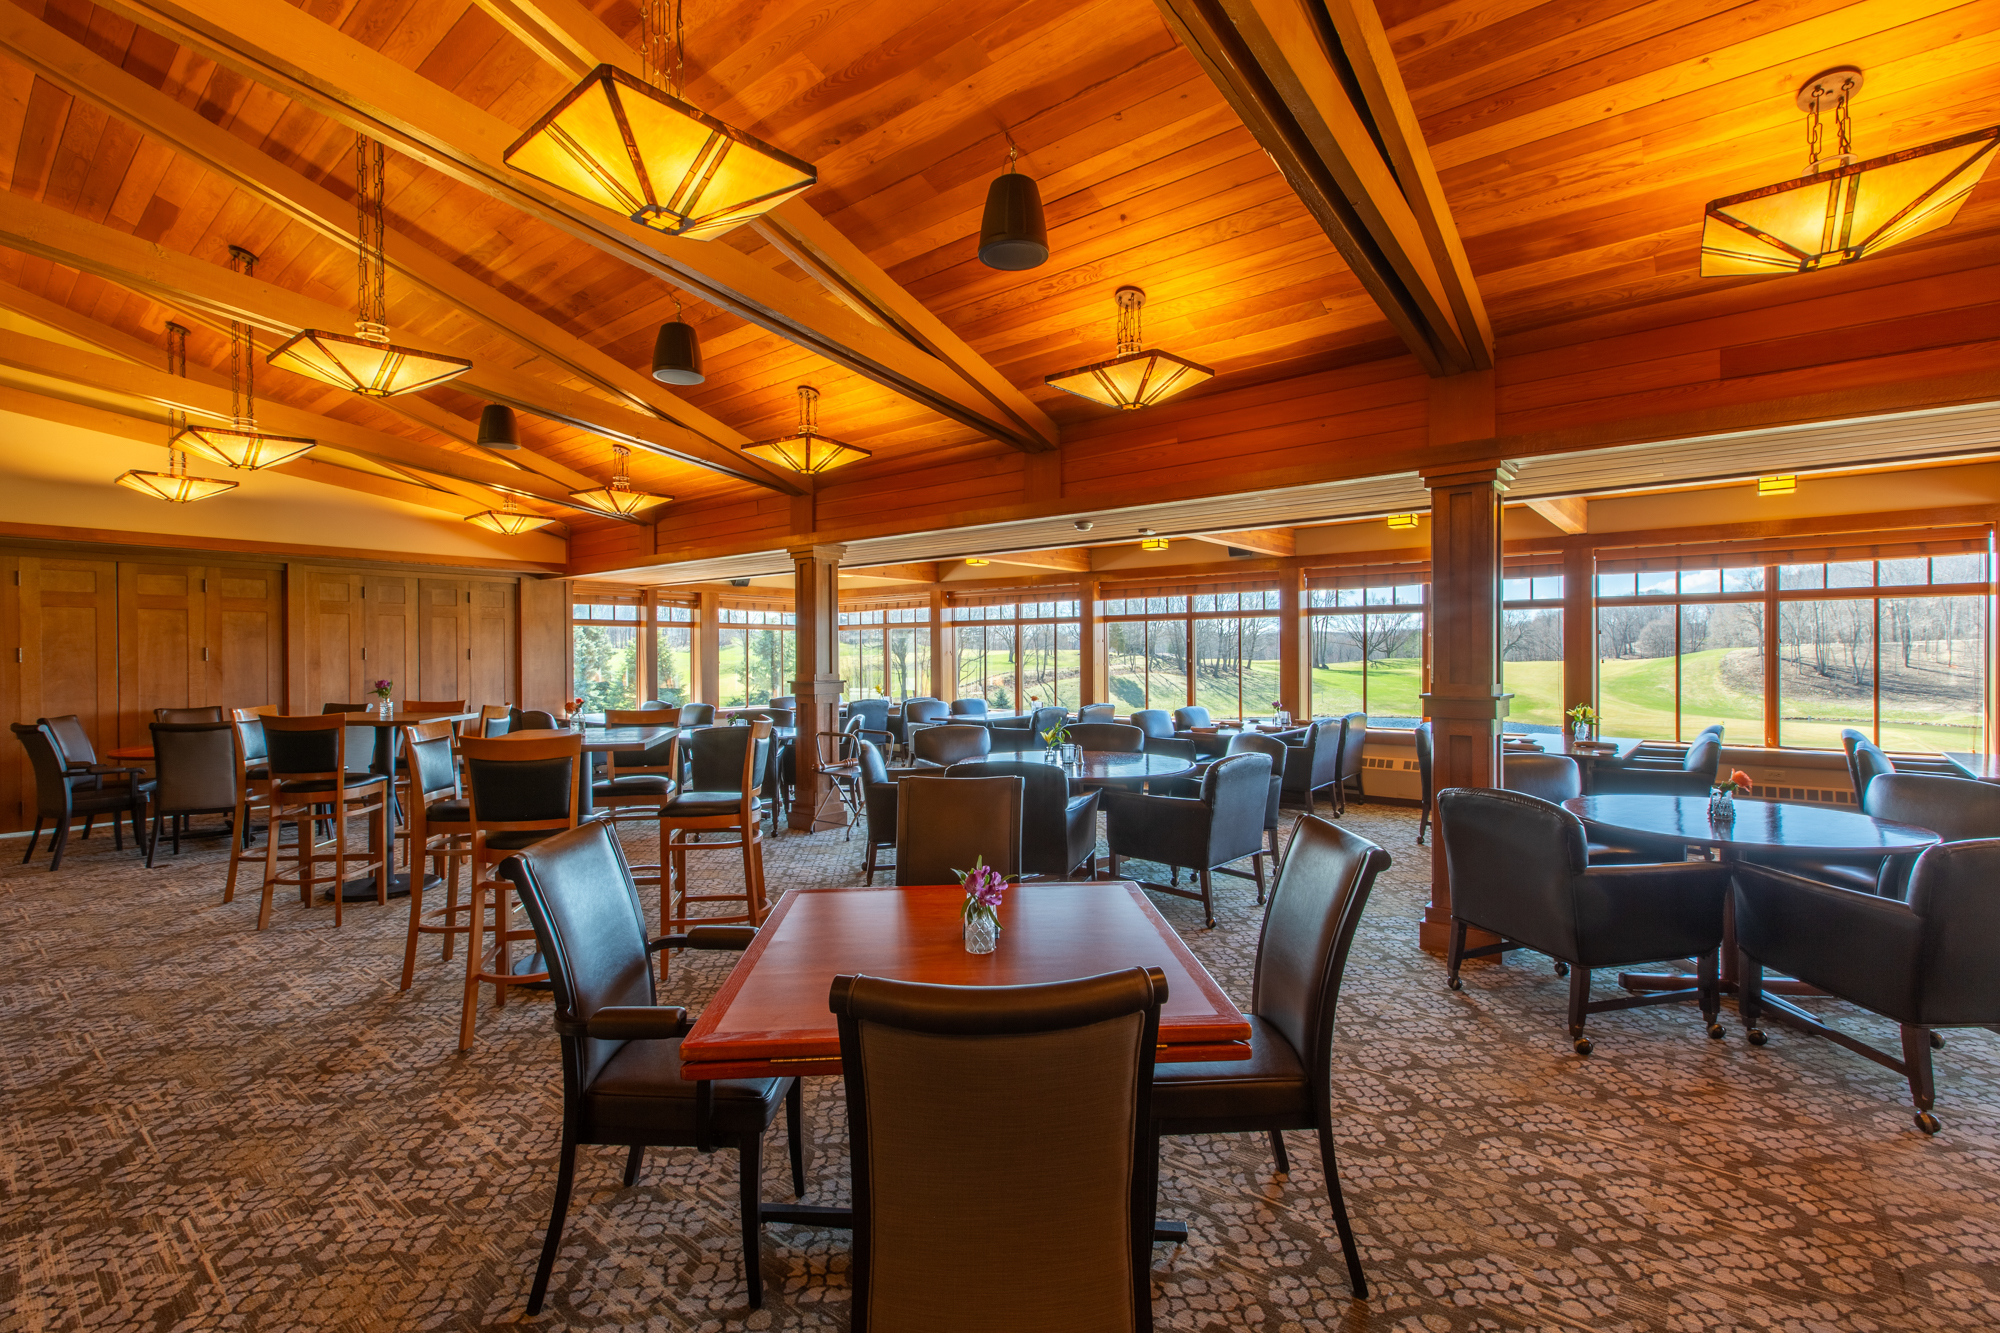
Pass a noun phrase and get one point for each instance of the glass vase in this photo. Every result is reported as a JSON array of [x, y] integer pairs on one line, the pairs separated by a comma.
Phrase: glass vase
[[1072, 755], [1722, 806], [982, 931], [385, 708], [1579, 731]]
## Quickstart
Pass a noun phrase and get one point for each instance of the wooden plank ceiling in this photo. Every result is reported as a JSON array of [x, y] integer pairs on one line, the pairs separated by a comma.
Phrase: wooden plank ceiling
[[1576, 142]]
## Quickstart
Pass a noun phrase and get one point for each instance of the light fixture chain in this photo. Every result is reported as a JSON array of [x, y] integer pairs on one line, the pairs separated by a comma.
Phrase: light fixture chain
[[1814, 133], [660, 23], [808, 410], [371, 232], [1843, 118], [242, 366], [176, 418]]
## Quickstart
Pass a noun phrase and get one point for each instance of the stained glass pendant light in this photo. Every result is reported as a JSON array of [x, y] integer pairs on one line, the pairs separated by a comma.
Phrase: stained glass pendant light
[[1842, 210], [807, 450], [241, 445], [1013, 233], [175, 485], [1134, 378], [510, 521], [366, 362], [618, 497], [635, 147]]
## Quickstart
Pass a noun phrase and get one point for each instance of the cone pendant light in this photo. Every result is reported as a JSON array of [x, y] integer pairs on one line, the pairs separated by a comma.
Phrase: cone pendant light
[[175, 485], [677, 352], [496, 428], [1013, 234], [367, 364], [243, 445]]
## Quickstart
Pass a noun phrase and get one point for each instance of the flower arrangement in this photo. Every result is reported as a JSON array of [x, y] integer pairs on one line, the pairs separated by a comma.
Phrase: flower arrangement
[[984, 887], [1583, 713], [574, 706], [1736, 784], [1056, 735], [382, 689]]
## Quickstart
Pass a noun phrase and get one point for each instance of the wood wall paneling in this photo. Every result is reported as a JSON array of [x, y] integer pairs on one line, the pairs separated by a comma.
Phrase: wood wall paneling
[[389, 637], [331, 624], [246, 635], [544, 646], [14, 768], [162, 640], [491, 677], [443, 640]]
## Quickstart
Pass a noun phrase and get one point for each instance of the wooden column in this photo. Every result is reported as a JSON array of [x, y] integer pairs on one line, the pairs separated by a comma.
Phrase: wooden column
[[1466, 701], [816, 584], [706, 686], [1294, 648], [1092, 668], [1579, 636]]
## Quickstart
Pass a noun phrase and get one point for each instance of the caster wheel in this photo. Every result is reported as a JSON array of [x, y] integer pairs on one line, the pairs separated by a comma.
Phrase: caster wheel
[[1937, 1042], [1715, 1032], [1582, 1046], [1562, 969], [1927, 1122], [1455, 984], [1757, 1037]]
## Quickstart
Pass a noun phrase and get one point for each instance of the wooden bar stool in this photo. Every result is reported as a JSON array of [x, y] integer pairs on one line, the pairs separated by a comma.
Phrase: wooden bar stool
[[638, 784], [439, 830], [310, 769], [519, 789], [253, 784], [727, 767]]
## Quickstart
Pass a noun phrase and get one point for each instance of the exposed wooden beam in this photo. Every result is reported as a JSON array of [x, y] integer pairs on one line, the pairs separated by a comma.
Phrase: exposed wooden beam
[[1074, 559], [1264, 541], [1271, 61], [1569, 513], [222, 295], [78, 71], [921, 572], [320, 67]]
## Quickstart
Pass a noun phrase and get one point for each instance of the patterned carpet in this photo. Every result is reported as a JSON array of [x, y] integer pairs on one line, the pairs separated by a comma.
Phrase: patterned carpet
[[209, 1128]]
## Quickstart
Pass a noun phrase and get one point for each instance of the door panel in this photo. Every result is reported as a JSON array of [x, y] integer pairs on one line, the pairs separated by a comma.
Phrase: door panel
[[491, 678], [162, 632], [246, 637], [389, 635], [69, 638], [441, 658], [332, 630]]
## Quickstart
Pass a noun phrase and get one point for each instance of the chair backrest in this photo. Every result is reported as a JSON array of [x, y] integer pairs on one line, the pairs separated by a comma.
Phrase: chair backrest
[[433, 762], [1956, 809], [950, 744], [72, 742], [585, 908], [1422, 736], [874, 713], [1951, 890], [968, 708], [1048, 719], [530, 719], [1869, 763], [1705, 755], [249, 723], [308, 749], [1512, 859], [659, 758], [777, 717], [1097, 712], [730, 759], [494, 720], [1353, 744], [1256, 742], [1113, 737], [188, 714], [697, 715], [1154, 722], [790, 701], [52, 795], [195, 764], [360, 740], [1324, 741], [656, 705], [523, 784], [1045, 797], [923, 710], [1316, 904], [1237, 788], [1849, 738], [1036, 1218], [946, 824], [1551, 777], [1186, 719], [874, 770]]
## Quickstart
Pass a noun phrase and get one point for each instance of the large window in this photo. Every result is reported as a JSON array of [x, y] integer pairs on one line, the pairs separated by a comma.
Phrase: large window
[[675, 650], [1531, 646], [757, 655], [1012, 654], [1367, 644], [886, 652], [1218, 650], [605, 650]]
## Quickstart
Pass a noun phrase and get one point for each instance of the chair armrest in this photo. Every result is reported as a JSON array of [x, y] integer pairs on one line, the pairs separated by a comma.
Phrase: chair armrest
[[1810, 930], [635, 1022], [706, 937], [1640, 912]]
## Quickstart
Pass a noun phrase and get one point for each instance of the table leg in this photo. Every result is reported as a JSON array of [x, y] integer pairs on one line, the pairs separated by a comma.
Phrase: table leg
[[1731, 971]]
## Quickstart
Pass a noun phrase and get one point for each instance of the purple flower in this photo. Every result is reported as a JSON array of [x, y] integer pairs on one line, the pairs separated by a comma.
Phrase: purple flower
[[984, 887]]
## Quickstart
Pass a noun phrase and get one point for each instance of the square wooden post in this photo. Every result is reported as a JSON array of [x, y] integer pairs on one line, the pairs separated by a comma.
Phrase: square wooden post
[[1294, 647], [1579, 636], [816, 584], [706, 687], [1093, 677], [1466, 701], [944, 664]]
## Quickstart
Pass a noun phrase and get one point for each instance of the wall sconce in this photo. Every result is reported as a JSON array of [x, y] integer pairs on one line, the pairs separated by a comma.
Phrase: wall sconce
[[1779, 485], [1402, 522]]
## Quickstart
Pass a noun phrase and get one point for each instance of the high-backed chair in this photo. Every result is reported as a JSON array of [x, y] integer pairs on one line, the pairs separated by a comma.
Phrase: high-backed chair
[[1956, 809], [1423, 743], [253, 776], [622, 1084], [188, 714], [1348, 773], [697, 715], [944, 825], [1042, 1219], [1286, 1083], [360, 740], [78, 760], [314, 776], [519, 790], [1519, 869], [1155, 723], [1555, 778], [947, 745], [1312, 760], [438, 830], [1693, 777], [1108, 737], [1869, 764], [1097, 713], [1849, 738], [638, 784], [874, 715], [968, 708], [725, 770], [195, 774], [917, 715], [59, 798], [1928, 963], [878, 799], [494, 720], [1058, 824], [1224, 823]]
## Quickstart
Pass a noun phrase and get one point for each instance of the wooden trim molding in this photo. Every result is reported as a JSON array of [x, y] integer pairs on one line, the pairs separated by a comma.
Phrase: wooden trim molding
[[117, 540]]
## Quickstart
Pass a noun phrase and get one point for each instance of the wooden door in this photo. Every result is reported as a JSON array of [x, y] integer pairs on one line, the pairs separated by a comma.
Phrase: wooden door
[[162, 643], [491, 661], [69, 642], [246, 636], [443, 643], [14, 769], [389, 635], [330, 622]]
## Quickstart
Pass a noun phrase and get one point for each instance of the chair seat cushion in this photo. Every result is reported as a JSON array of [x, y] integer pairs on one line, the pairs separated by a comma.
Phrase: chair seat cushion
[[640, 1093], [289, 788], [1271, 1083], [694, 803], [516, 839], [636, 784], [456, 812]]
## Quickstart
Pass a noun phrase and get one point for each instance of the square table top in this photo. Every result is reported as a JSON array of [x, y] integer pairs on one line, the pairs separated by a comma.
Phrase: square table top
[[771, 1015]]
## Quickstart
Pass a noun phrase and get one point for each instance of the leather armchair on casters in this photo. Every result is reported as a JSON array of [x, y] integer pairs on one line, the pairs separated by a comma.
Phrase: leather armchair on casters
[[1155, 723], [1694, 775], [878, 800], [1058, 826], [1518, 870], [1108, 737], [968, 708], [1224, 823], [1312, 760], [1097, 713], [1555, 778], [1956, 809], [1928, 963], [1208, 744], [944, 746], [1020, 735], [917, 714], [1423, 742], [1244, 742]]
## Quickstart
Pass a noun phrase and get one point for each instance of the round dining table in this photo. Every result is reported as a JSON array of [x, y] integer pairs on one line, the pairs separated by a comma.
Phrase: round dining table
[[1116, 768], [1767, 829]]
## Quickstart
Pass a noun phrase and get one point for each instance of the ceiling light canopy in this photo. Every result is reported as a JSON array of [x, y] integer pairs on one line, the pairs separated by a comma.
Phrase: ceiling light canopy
[[618, 497], [366, 362], [510, 521], [1842, 210], [241, 445], [1134, 378], [807, 450], [1013, 233], [174, 485], [633, 146]]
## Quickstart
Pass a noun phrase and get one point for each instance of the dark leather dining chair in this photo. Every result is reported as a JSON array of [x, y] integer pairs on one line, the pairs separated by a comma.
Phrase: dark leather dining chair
[[697, 715], [60, 798], [1422, 738], [1348, 769], [1097, 713], [968, 708], [726, 767], [1243, 742], [1956, 809], [917, 715], [944, 825], [874, 715], [188, 714], [1693, 776], [530, 719], [195, 768], [878, 802], [622, 1083], [1555, 778], [1302, 948], [1107, 737], [1870, 763], [1155, 722], [316, 777], [947, 745], [78, 760], [1849, 738], [1928, 963], [1040, 1220], [1312, 760], [1224, 823], [1208, 743], [1187, 719], [1518, 869], [1058, 823]]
